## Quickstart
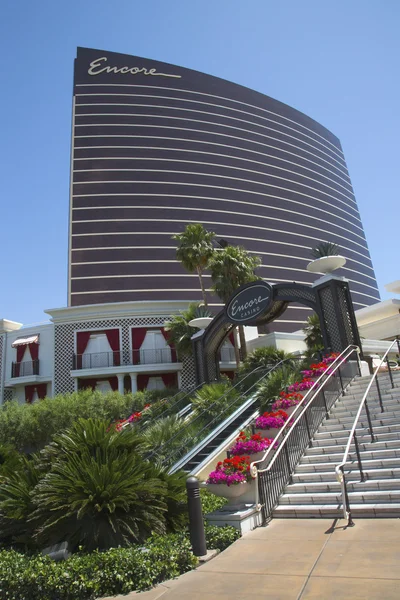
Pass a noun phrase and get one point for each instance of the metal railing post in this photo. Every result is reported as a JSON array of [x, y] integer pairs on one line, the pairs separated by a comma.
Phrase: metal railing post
[[196, 523], [288, 464], [390, 371], [358, 457], [325, 404], [341, 381], [350, 522], [369, 421], [308, 430], [379, 394]]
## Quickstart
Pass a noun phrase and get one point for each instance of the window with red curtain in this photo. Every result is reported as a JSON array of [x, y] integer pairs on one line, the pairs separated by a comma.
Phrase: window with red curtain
[[166, 337], [113, 340], [34, 350], [169, 379], [231, 338], [41, 389], [20, 355], [87, 383], [142, 382], [230, 374], [113, 381], [138, 335], [29, 392], [82, 340]]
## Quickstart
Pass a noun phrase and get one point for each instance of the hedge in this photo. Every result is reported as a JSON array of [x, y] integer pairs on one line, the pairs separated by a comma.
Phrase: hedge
[[99, 574]]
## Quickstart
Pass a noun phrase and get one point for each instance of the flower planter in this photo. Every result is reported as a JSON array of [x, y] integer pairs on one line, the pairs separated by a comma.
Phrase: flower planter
[[291, 410], [244, 492], [270, 433], [326, 264]]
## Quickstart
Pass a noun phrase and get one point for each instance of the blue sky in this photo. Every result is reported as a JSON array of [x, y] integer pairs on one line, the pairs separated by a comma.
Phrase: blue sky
[[338, 62]]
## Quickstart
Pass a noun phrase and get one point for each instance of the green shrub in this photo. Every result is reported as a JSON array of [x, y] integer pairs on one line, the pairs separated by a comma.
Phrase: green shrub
[[108, 573], [210, 502], [278, 380], [92, 488], [91, 576], [219, 538], [214, 400]]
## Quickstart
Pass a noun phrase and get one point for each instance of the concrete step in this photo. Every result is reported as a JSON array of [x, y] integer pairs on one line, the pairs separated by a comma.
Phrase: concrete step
[[329, 476], [374, 408], [327, 511], [318, 467], [337, 433], [353, 485], [363, 437], [346, 424], [366, 497], [363, 446], [384, 453]]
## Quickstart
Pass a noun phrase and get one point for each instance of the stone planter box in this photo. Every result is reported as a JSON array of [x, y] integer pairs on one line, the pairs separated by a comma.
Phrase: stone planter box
[[269, 433], [244, 493]]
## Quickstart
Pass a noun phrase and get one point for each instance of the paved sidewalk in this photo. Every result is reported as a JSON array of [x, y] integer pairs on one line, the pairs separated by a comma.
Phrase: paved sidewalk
[[297, 559]]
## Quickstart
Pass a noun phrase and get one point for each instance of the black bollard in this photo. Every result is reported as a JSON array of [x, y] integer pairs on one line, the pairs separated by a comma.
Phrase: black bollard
[[196, 523]]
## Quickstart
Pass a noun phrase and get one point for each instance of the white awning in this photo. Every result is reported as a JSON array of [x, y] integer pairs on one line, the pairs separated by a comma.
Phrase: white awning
[[24, 341]]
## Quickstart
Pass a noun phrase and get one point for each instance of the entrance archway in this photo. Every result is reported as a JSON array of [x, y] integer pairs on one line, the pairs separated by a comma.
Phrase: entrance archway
[[259, 303]]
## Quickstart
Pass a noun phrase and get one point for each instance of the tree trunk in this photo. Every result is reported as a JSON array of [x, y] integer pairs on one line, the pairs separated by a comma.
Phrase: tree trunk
[[236, 346], [203, 291], [243, 347]]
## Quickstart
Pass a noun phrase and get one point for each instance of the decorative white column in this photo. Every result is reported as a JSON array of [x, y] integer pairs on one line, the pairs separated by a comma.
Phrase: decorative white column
[[121, 383], [133, 377], [179, 373]]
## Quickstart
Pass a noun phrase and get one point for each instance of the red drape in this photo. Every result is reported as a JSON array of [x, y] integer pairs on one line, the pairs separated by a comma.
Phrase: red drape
[[82, 340], [20, 356], [29, 391], [138, 335], [113, 381], [41, 389], [113, 340], [86, 383], [34, 350], [229, 374], [231, 338], [142, 382], [169, 379], [173, 351]]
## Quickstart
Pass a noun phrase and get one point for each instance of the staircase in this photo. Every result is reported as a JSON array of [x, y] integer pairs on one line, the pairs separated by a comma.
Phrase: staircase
[[315, 492]]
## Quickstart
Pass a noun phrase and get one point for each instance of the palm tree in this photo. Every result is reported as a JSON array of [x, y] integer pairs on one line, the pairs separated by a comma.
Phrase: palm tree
[[194, 251], [313, 335], [325, 249], [180, 332], [230, 268]]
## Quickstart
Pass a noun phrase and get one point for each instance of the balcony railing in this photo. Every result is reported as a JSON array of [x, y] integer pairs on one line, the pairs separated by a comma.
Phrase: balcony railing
[[25, 368], [98, 360]]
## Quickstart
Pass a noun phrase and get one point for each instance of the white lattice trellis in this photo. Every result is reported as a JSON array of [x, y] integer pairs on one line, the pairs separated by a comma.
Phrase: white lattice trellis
[[64, 344]]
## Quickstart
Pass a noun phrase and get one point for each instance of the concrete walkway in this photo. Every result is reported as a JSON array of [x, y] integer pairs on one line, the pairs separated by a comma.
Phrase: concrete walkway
[[299, 558]]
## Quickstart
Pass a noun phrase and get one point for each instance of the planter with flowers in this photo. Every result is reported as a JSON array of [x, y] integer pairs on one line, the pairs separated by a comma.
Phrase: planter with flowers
[[270, 423], [255, 446], [288, 402], [231, 479]]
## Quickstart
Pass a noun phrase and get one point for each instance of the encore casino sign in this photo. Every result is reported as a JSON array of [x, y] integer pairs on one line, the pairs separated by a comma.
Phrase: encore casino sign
[[249, 302]]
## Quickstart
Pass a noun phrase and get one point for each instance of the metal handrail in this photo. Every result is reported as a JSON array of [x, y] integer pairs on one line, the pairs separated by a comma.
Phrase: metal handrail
[[223, 395], [339, 469], [285, 433]]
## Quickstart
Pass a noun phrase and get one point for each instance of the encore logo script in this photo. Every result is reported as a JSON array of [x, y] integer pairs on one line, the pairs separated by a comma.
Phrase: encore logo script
[[96, 68]]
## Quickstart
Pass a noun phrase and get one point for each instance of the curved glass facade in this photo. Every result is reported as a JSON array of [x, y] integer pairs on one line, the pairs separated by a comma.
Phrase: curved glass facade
[[156, 146]]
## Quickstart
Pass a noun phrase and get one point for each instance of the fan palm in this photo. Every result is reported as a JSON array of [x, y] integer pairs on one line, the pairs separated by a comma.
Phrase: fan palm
[[230, 268], [325, 249], [313, 334], [195, 248], [180, 331]]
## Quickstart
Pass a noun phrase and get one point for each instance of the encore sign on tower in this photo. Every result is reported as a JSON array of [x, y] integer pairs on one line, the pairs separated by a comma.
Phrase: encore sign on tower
[[249, 302]]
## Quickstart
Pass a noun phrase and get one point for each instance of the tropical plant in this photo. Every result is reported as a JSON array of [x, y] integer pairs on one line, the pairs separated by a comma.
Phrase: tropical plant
[[230, 268], [92, 488], [180, 332], [17, 525], [325, 249], [194, 251], [263, 359], [214, 399], [313, 334], [278, 380]]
